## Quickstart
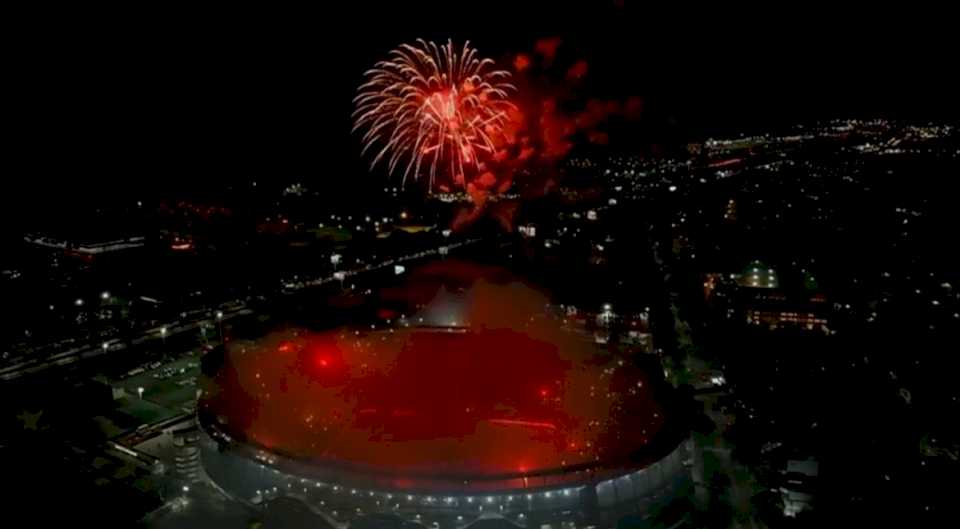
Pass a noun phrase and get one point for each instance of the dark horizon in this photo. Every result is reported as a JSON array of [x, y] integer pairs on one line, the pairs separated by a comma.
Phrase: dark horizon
[[152, 107]]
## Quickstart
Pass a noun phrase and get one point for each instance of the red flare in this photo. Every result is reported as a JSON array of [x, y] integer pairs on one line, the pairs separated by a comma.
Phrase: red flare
[[521, 62], [578, 70], [548, 47]]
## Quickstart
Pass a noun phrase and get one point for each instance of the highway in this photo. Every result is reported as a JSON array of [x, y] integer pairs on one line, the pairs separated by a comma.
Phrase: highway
[[38, 364]]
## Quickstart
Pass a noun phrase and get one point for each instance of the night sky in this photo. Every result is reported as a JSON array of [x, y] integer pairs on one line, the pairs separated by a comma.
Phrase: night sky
[[105, 105]]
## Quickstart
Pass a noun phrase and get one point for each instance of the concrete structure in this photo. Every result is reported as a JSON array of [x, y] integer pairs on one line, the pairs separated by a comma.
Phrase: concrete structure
[[477, 405]]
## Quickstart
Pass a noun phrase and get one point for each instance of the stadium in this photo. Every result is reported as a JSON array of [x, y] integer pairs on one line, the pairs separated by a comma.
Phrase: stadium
[[466, 402]]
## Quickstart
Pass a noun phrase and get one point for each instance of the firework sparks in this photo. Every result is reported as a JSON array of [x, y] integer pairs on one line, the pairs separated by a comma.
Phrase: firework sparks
[[433, 111]]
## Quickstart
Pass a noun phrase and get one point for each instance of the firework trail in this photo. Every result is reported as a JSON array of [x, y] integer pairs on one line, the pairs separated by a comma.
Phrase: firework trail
[[433, 111]]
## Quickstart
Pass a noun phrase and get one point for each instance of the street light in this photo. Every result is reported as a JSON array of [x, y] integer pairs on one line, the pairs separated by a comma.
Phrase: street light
[[163, 334], [140, 392], [220, 324], [105, 295], [105, 346]]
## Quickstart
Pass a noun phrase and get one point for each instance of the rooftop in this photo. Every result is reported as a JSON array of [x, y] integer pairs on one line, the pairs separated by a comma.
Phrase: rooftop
[[487, 385]]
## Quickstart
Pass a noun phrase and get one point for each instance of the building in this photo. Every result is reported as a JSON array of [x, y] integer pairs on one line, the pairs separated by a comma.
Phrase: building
[[489, 410]]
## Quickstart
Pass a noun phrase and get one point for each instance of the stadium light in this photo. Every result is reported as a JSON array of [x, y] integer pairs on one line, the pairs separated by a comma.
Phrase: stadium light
[[220, 324]]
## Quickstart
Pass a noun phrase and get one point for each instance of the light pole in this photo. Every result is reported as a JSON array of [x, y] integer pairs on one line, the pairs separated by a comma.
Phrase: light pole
[[220, 324], [163, 334]]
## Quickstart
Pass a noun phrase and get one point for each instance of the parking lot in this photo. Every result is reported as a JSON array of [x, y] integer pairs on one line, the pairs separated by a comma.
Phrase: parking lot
[[171, 385]]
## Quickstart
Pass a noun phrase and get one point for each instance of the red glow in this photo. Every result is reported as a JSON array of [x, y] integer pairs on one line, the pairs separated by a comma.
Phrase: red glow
[[285, 347], [633, 107], [521, 62], [387, 314], [724, 163], [598, 137], [548, 47], [400, 400], [531, 424], [487, 179], [578, 70]]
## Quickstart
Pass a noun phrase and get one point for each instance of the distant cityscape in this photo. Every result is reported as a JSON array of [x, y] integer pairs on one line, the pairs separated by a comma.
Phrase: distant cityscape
[[761, 275]]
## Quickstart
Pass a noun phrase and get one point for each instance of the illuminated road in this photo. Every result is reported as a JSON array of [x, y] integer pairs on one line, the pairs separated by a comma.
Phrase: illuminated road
[[38, 364], [35, 365]]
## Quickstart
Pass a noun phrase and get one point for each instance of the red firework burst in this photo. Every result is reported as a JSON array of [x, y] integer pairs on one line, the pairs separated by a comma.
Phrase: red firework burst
[[433, 111]]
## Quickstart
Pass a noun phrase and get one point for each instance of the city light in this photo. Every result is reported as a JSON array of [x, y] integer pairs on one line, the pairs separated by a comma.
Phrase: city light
[[476, 350]]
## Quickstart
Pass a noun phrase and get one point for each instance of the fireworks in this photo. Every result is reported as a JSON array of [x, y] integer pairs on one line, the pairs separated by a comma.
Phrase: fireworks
[[434, 112]]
